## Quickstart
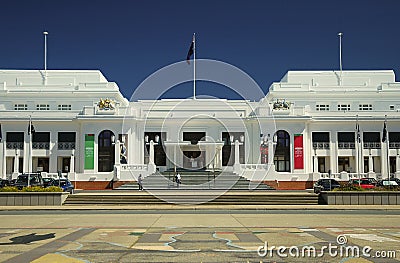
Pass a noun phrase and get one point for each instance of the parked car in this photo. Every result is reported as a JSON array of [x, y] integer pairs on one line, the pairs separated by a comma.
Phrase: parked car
[[325, 185], [397, 180], [12, 182], [366, 183], [4, 182], [65, 184], [48, 182], [35, 179], [387, 182]]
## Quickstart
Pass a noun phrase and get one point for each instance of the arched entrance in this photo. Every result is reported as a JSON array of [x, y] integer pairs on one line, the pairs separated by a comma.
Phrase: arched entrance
[[106, 151], [282, 151]]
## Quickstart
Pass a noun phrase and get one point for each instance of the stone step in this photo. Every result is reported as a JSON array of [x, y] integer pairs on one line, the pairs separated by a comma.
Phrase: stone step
[[225, 199], [197, 181]]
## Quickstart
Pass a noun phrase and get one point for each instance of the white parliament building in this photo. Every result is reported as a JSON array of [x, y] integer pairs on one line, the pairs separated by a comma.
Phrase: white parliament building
[[304, 129]]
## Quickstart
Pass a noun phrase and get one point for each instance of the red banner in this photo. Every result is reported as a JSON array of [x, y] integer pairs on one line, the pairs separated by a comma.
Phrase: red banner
[[298, 151]]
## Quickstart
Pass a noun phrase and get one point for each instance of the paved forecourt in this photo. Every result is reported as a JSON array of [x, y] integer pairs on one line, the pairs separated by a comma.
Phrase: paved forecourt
[[189, 235]]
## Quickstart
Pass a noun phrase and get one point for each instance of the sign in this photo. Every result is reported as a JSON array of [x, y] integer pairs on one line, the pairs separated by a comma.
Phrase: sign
[[89, 151], [298, 151]]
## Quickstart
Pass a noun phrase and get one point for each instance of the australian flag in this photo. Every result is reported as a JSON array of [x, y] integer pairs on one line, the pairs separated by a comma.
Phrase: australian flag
[[358, 133], [384, 135], [190, 52], [31, 129]]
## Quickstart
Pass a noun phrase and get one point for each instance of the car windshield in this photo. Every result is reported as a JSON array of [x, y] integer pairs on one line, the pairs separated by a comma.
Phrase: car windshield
[[24, 179]]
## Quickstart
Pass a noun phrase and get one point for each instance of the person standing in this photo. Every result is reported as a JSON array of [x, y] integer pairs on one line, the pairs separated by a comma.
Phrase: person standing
[[178, 179], [140, 181]]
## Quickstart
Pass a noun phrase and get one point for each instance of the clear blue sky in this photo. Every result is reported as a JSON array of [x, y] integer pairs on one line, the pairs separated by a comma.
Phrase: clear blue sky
[[128, 40]]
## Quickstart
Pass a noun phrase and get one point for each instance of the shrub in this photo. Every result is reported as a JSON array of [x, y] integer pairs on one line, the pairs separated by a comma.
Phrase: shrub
[[31, 189], [387, 188], [349, 187], [9, 189]]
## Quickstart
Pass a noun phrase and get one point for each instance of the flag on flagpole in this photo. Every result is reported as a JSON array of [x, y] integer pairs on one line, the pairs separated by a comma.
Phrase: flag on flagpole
[[190, 52], [358, 133], [31, 129], [384, 132]]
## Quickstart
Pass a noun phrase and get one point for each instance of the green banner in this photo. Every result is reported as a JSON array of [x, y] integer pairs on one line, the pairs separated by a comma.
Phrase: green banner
[[89, 151]]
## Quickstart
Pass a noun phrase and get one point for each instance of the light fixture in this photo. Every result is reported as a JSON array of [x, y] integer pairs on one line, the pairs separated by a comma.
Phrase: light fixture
[[231, 138], [157, 138], [146, 138], [112, 138], [275, 137], [241, 138]]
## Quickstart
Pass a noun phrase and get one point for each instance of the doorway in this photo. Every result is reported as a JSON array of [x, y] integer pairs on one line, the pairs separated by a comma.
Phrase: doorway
[[66, 164], [194, 160], [344, 164]]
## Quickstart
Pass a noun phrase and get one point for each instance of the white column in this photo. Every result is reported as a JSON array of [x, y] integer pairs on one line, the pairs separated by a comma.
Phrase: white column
[[236, 165], [174, 159], [236, 152], [316, 164], [16, 162], [117, 152], [370, 164], [4, 160], [151, 155], [333, 152], [72, 162], [270, 152], [398, 164]]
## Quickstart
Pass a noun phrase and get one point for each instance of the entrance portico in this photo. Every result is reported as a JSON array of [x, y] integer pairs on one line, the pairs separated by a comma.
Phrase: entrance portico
[[203, 155]]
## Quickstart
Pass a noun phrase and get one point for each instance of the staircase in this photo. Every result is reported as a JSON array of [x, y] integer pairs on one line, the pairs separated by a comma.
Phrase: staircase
[[197, 181], [242, 199]]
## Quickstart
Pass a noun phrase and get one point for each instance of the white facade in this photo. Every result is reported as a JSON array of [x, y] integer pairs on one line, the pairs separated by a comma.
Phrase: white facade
[[313, 115]]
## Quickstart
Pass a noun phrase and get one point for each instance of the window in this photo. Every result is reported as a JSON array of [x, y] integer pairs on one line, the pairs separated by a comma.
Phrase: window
[[42, 107], [391, 107], [20, 107], [394, 140], [282, 152], [322, 107], [320, 140], [346, 140], [64, 107], [66, 140], [41, 140], [364, 107], [343, 107], [15, 140], [372, 140]]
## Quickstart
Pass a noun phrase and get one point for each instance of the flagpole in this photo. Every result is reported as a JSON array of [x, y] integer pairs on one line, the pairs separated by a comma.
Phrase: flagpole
[[358, 150], [45, 33], [194, 66], [30, 148], [340, 57], [387, 148]]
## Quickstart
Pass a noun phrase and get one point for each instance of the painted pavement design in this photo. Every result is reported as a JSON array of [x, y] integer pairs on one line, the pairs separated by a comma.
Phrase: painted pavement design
[[183, 244]]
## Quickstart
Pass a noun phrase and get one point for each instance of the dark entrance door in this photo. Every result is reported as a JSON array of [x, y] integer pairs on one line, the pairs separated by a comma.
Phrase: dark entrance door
[[106, 151], [66, 161]]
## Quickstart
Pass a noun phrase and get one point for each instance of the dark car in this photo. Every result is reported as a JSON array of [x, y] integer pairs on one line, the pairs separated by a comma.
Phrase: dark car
[[397, 180], [388, 182], [325, 185], [48, 182], [4, 182], [12, 182], [65, 184], [35, 179]]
